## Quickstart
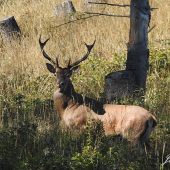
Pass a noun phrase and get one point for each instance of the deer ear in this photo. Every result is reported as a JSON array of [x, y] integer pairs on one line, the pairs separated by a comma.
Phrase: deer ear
[[74, 69], [50, 68]]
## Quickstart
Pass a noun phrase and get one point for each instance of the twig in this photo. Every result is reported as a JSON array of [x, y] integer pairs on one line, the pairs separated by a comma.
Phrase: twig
[[153, 9], [149, 9], [116, 5], [75, 20], [108, 14], [152, 28], [109, 4], [127, 16]]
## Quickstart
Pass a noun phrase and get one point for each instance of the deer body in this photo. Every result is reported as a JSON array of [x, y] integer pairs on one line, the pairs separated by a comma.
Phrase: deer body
[[73, 110], [132, 122]]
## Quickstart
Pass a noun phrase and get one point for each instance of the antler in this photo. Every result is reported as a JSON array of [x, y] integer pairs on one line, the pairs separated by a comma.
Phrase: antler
[[89, 47], [44, 53]]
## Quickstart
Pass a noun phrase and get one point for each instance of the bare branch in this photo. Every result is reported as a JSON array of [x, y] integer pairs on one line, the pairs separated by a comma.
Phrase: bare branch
[[127, 16], [145, 13], [75, 20], [152, 28], [109, 4], [116, 5], [108, 14], [153, 9]]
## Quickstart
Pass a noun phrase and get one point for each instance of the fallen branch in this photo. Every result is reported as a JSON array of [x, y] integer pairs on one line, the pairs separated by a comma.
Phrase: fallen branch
[[109, 4], [108, 14], [75, 20]]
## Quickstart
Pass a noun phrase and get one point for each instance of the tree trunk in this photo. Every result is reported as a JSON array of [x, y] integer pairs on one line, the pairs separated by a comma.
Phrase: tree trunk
[[138, 52], [137, 57]]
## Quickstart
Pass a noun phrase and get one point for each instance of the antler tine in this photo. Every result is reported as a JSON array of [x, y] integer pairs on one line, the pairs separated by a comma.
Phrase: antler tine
[[57, 62], [69, 66], [44, 53], [89, 47]]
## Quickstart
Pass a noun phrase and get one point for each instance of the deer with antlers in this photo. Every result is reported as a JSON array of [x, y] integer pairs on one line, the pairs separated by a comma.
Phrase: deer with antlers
[[131, 122]]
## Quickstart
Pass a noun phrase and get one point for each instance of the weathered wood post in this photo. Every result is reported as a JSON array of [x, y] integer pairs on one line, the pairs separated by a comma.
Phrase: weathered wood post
[[133, 79], [9, 29]]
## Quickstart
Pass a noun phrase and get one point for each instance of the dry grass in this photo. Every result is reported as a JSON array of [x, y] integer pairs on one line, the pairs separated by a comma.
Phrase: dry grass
[[37, 17]]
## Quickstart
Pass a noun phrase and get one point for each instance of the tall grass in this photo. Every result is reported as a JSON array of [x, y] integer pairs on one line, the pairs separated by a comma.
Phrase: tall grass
[[32, 135], [37, 17]]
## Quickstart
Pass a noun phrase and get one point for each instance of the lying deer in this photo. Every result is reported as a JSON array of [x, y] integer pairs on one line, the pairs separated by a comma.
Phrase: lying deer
[[131, 122]]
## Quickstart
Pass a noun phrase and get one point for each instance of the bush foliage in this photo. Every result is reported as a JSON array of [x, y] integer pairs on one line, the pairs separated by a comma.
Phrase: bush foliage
[[32, 135]]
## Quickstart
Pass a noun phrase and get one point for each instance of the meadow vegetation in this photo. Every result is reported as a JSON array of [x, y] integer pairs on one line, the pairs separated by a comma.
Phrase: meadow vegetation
[[32, 135]]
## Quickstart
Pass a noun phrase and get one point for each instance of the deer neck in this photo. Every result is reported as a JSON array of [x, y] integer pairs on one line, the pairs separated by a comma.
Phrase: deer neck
[[66, 98]]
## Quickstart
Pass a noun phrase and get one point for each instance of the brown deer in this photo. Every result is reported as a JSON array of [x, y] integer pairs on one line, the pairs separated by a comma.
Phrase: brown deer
[[131, 122]]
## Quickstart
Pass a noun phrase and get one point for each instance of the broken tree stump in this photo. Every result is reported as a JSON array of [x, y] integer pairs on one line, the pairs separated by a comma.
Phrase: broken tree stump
[[138, 52], [9, 29], [137, 57], [119, 85], [65, 9]]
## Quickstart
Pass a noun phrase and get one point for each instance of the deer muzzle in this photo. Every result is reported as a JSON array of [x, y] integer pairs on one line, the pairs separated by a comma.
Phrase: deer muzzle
[[60, 84]]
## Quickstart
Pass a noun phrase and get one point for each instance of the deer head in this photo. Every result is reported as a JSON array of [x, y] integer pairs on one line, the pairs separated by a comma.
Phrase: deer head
[[63, 75]]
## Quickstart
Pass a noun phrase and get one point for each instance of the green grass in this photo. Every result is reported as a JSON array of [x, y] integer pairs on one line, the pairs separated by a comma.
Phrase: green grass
[[32, 135]]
